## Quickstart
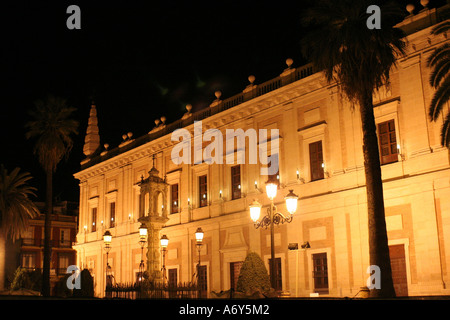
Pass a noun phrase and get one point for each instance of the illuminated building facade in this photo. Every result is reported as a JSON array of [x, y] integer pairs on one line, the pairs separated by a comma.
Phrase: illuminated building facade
[[320, 159]]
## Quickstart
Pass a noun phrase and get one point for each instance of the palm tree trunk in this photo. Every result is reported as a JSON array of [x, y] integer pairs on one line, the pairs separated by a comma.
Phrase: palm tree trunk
[[2, 259], [378, 242], [47, 230]]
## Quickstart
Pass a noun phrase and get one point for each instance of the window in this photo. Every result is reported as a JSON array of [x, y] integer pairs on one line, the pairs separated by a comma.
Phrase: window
[[202, 281], [28, 237], [64, 238], [235, 182], [316, 160], [63, 262], [112, 214], [387, 142], [94, 219], [320, 272], [29, 260], [235, 269], [173, 277], [173, 282], [275, 176], [174, 198], [203, 190]]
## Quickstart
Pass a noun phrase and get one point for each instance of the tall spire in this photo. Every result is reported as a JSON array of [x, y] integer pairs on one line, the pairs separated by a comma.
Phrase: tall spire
[[92, 140]]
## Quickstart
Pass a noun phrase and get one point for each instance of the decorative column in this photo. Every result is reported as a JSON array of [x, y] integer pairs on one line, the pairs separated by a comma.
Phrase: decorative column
[[154, 216]]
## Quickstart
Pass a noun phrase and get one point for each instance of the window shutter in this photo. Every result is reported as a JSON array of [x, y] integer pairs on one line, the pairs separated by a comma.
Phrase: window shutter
[[316, 160]]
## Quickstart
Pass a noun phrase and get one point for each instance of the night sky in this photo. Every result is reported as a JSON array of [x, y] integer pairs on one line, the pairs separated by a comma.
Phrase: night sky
[[139, 60]]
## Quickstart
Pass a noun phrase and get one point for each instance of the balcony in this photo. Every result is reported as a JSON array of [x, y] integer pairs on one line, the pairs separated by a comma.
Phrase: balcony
[[32, 242], [53, 271], [218, 106]]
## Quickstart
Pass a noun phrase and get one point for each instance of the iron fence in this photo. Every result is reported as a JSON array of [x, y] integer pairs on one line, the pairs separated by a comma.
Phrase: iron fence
[[149, 290]]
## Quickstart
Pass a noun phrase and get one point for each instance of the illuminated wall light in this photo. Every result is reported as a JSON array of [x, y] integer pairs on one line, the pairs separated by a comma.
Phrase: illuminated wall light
[[325, 170], [220, 193], [402, 156]]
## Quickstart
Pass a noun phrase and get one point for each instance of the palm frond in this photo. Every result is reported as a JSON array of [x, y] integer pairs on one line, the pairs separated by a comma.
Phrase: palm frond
[[445, 132], [441, 27], [52, 126], [339, 43], [16, 207], [440, 53], [440, 98], [440, 71]]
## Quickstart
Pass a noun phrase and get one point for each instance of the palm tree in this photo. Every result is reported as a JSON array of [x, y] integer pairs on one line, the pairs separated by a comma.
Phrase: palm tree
[[16, 209], [439, 60], [52, 127], [359, 59]]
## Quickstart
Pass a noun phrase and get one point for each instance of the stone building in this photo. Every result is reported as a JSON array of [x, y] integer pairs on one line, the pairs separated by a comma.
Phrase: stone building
[[320, 159], [28, 251]]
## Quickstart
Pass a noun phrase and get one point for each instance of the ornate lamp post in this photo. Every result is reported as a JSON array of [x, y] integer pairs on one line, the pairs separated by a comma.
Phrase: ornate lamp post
[[142, 241], [164, 241], [273, 217], [107, 237], [199, 242]]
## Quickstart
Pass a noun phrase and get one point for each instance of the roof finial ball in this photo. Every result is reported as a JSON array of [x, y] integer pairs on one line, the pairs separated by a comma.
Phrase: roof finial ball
[[410, 8], [189, 107], [289, 62], [424, 3], [218, 93], [251, 79]]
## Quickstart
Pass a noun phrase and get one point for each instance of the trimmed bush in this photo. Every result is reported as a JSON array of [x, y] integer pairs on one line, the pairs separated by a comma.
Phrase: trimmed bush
[[253, 276]]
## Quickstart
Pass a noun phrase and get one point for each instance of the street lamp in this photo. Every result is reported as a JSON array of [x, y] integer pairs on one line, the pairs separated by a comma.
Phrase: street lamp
[[164, 241], [255, 210], [142, 241], [271, 187], [107, 237], [199, 236], [199, 239], [291, 202], [273, 217]]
